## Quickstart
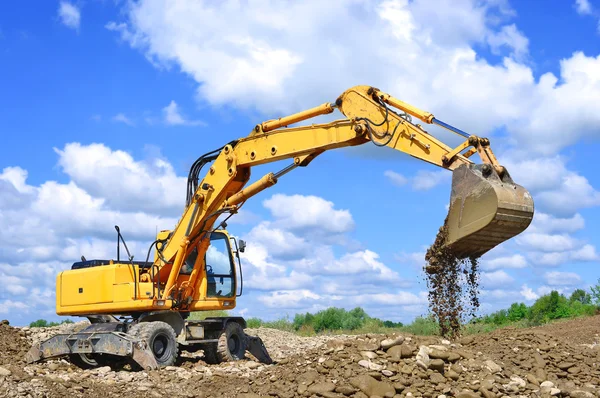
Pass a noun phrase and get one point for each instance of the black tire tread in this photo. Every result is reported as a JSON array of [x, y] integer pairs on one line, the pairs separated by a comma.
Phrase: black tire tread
[[145, 330]]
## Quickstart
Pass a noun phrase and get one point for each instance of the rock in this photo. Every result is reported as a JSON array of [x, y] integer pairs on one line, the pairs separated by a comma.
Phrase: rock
[[370, 386], [517, 381], [547, 384], [453, 357], [452, 375], [532, 379], [387, 373], [467, 394], [437, 378], [565, 365], [345, 390], [581, 394], [368, 354], [105, 369], [437, 354], [53, 366], [252, 365], [364, 363], [368, 347], [555, 392], [4, 372], [388, 343], [437, 365], [574, 370], [321, 388], [493, 366]]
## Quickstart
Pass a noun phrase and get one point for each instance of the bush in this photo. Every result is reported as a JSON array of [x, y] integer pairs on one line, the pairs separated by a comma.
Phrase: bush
[[253, 323], [596, 293], [582, 296], [42, 323]]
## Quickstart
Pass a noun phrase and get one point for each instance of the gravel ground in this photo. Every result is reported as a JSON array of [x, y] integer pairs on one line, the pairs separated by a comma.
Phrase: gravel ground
[[559, 360]]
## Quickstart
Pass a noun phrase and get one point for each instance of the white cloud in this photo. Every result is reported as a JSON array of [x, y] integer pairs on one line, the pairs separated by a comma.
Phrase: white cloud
[[122, 182], [121, 118], [69, 15], [396, 178], [173, 116], [496, 279], [299, 211], [528, 293], [514, 261], [509, 36], [556, 278], [289, 299], [427, 54], [547, 223], [583, 7], [547, 242], [423, 180], [555, 189]]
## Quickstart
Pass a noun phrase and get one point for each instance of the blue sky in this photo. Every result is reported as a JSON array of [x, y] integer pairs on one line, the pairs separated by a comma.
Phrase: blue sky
[[106, 104]]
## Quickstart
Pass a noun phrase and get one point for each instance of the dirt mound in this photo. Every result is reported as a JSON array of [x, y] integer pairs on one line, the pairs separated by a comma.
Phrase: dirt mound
[[13, 344], [506, 363]]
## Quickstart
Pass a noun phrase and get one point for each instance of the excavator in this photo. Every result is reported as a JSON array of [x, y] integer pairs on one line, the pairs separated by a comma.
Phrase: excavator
[[138, 310]]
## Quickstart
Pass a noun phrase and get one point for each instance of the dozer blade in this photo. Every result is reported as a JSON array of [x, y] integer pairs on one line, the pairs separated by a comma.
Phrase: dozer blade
[[485, 210]]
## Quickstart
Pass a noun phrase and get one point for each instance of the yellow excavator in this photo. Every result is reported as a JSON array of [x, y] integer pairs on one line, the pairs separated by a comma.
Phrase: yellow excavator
[[138, 309]]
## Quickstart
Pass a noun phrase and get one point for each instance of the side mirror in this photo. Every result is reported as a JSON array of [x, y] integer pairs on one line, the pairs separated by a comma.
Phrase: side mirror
[[242, 245]]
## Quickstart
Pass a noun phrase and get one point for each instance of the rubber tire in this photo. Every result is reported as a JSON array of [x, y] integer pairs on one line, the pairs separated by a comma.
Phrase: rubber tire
[[161, 340], [230, 347]]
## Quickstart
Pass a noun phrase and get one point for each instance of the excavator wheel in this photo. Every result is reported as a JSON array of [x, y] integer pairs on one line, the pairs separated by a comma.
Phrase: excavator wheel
[[230, 347], [160, 338]]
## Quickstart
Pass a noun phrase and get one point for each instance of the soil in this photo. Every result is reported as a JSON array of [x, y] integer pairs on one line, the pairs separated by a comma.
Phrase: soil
[[453, 285], [558, 360]]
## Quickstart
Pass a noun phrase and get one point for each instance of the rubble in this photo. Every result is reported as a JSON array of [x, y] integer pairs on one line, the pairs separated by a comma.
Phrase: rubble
[[334, 366]]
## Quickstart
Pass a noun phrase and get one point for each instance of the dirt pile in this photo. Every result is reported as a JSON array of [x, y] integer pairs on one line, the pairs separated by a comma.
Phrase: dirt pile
[[13, 344], [452, 283], [506, 363]]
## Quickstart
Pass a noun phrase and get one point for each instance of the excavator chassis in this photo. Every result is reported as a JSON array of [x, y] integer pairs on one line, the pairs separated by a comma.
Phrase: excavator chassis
[[109, 339]]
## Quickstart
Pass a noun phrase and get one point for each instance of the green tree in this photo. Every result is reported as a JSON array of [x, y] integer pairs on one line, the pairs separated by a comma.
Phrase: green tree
[[517, 311], [582, 296], [596, 293]]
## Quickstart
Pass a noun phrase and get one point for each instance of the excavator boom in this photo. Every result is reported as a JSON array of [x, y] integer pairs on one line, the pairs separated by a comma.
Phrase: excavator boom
[[194, 264]]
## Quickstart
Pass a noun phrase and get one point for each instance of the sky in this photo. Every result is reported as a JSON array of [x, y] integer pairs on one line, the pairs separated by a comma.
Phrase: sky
[[106, 104]]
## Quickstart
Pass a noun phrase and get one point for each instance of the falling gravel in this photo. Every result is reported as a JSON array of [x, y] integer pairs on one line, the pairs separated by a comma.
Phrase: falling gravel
[[453, 285]]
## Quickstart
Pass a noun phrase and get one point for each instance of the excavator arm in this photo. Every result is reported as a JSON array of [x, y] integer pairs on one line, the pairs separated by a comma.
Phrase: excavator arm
[[486, 207]]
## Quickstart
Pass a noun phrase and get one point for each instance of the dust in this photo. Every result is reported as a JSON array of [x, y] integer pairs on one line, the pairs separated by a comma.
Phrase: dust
[[453, 285]]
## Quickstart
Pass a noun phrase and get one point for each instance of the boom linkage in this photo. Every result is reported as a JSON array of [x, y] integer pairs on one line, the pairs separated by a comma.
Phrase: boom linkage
[[369, 118]]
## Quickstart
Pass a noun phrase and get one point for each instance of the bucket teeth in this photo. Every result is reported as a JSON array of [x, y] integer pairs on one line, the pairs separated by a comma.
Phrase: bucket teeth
[[485, 210]]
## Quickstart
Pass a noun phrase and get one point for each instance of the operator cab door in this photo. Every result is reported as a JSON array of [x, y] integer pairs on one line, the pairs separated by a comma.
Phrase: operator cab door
[[220, 269]]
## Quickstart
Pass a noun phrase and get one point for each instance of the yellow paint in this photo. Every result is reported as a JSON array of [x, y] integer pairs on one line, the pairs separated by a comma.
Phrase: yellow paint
[[110, 288]]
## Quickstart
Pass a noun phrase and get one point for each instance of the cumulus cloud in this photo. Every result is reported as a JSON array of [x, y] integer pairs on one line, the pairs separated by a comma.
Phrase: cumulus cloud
[[583, 7], [122, 182], [556, 278], [299, 212], [173, 116], [514, 261], [495, 279], [69, 15], [423, 180], [544, 114], [528, 293], [121, 118]]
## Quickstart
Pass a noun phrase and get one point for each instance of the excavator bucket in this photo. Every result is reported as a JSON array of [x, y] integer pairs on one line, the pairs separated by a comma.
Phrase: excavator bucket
[[485, 210]]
